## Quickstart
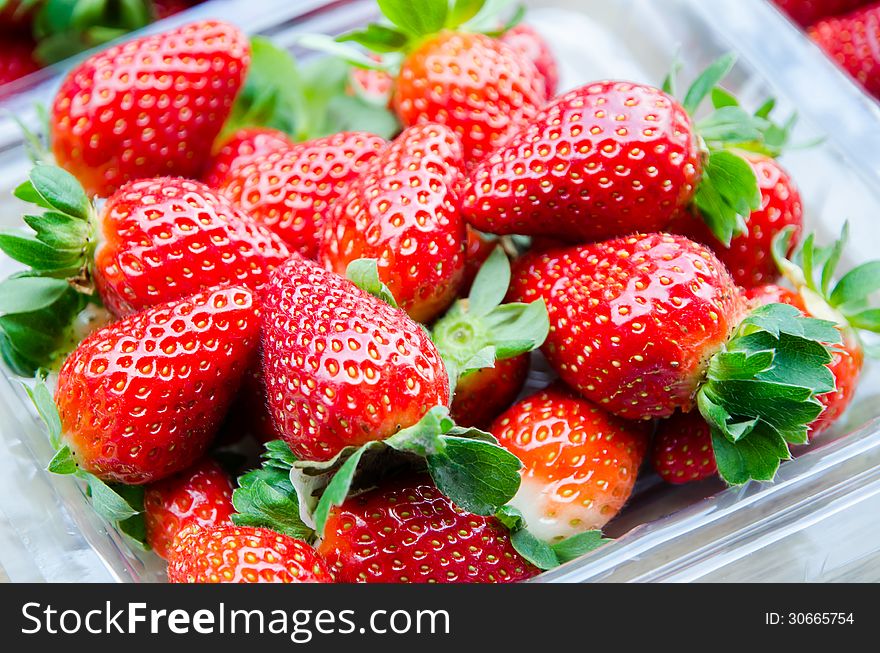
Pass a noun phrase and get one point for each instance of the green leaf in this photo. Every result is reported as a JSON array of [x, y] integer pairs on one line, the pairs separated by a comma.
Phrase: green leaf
[[58, 230], [426, 17], [869, 320], [36, 254], [670, 82], [27, 193], [377, 38], [857, 284], [364, 273], [484, 358], [536, 551], [61, 190], [44, 403], [575, 546], [329, 45], [63, 462], [723, 98], [834, 256], [518, 328], [752, 458], [22, 294], [491, 283], [727, 193], [709, 79], [730, 124], [337, 490], [463, 11], [107, 501], [477, 476], [424, 438]]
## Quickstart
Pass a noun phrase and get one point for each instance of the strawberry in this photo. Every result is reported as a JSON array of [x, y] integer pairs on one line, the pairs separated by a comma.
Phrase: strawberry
[[242, 554], [403, 211], [142, 398], [481, 395], [529, 43], [374, 86], [149, 107], [749, 256], [153, 241], [406, 531], [16, 14], [485, 344], [682, 449], [16, 61], [807, 12], [201, 495], [241, 148], [772, 293], [579, 463], [342, 367], [478, 86], [615, 157], [851, 40], [165, 8], [290, 190], [651, 323]]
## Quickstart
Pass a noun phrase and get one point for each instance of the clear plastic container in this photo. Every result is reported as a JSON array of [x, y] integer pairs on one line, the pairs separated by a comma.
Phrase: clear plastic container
[[820, 520]]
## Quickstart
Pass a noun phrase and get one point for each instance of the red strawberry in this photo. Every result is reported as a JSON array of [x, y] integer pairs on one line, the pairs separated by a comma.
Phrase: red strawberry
[[166, 238], [373, 86], [851, 40], [749, 257], [649, 324], [16, 61], [807, 12], [481, 395], [579, 463], [166, 8], [142, 398], [242, 554], [201, 495], [241, 148], [291, 190], [406, 531], [602, 160], [476, 85], [342, 367], [529, 43], [682, 449], [16, 14], [772, 293], [403, 211], [633, 320], [149, 107]]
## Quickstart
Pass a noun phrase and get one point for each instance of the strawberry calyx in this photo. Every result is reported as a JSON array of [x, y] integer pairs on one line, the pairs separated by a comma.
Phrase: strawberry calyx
[[542, 554], [467, 466], [760, 391], [305, 100], [728, 189], [480, 330], [364, 273], [812, 271], [64, 28], [121, 505], [265, 497], [39, 304]]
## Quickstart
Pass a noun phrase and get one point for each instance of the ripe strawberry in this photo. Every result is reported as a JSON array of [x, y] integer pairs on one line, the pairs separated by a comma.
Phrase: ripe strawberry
[[403, 211], [807, 12], [149, 107], [682, 449], [142, 398], [241, 148], [166, 238], [772, 293], [481, 395], [749, 257], [16, 61], [648, 324], [529, 43], [406, 531], [201, 495], [373, 86], [851, 40], [241, 554], [612, 158], [342, 367], [291, 190], [478, 86], [579, 463]]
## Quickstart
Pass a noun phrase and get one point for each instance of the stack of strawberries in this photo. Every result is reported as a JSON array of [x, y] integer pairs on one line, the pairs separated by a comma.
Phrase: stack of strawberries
[[369, 309]]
